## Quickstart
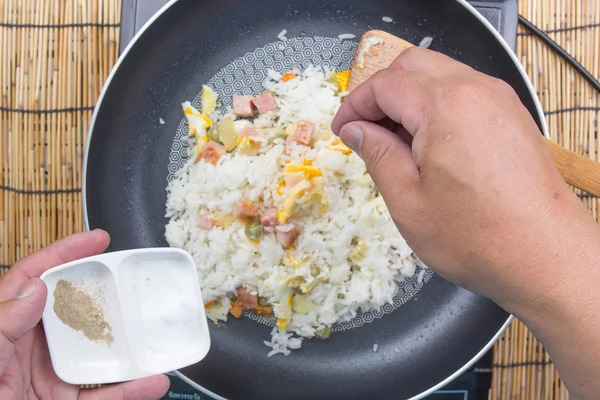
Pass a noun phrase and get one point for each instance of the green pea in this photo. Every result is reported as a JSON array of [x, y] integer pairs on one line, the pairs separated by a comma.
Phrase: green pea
[[213, 134], [254, 230]]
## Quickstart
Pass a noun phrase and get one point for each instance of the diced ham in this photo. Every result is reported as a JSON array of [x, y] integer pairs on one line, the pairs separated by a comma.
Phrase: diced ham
[[288, 238], [304, 132], [269, 218], [251, 131], [242, 106], [289, 143], [265, 102], [246, 299], [245, 209], [206, 222], [213, 151]]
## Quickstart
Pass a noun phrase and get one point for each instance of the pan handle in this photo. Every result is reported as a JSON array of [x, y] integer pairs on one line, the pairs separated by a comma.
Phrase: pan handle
[[576, 170]]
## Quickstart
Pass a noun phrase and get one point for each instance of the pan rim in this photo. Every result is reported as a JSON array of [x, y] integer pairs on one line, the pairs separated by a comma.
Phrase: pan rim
[[468, 7], [421, 395]]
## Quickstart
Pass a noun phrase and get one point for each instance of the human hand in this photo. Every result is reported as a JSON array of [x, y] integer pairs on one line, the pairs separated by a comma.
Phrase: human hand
[[25, 367], [467, 177]]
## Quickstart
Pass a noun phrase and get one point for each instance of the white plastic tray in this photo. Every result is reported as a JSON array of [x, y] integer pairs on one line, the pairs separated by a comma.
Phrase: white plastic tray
[[152, 300]]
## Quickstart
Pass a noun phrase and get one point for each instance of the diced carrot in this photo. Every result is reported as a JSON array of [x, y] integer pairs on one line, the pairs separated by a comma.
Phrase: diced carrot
[[209, 304], [236, 310], [288, 76], [264, 310]]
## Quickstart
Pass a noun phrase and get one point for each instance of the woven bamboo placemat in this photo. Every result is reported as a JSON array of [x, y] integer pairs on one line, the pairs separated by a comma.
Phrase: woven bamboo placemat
[[55, 55]]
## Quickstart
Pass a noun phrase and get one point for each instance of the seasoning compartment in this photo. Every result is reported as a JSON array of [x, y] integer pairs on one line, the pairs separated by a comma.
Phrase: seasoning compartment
[[83, 324], [162, 309], [150, 298]]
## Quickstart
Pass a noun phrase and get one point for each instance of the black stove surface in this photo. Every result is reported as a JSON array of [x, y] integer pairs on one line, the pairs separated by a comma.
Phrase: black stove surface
[[472, 385], [501, 13], [475, 383]]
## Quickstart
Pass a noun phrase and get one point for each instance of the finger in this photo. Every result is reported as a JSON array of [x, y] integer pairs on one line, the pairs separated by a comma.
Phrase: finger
[[406, 137], [71, 248], [398, 129], [65, 250], [419, 59], [149, 388], [394, 93], [18, 316], [388, 158]]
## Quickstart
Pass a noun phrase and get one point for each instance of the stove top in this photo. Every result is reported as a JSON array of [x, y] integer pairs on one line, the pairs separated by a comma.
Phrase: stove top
[[501, 13], [475, 383], [472, 385]]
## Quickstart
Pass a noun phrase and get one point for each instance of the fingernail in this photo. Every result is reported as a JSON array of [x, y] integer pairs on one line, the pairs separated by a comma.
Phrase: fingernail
[[29, 289], [352, 136]]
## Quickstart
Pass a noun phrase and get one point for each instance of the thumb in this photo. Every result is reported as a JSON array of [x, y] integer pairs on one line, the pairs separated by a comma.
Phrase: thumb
[[18, 316], [388, 158]]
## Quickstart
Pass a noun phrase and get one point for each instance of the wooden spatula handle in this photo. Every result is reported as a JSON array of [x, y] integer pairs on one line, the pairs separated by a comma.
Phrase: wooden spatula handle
[[576, 170]]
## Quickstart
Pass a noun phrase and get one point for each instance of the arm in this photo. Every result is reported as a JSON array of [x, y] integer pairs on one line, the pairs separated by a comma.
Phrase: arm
[[471, 185]]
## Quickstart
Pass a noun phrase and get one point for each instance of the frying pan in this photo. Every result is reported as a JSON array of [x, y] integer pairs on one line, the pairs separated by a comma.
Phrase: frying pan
[[436, 334]]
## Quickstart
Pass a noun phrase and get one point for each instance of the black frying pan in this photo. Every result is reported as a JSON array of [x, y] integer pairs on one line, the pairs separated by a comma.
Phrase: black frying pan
[[424, 343]]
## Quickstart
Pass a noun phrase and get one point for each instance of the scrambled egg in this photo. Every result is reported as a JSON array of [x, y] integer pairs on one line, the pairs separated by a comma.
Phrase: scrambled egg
[[292, 262], [312, 191], [365, 180], [282, 323], [299, 189], [197, 122], [359, 250], [289, 203], [342, 78], [209, 101], [310, 185], [247, 147], [337, 145], [308, 170], [280, 187], [286, 308]]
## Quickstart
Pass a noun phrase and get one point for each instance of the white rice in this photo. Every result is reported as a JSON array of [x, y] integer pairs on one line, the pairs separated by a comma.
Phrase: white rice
[[345, 36], [282, 342], [426, 42], [226, 259], [281, 35], [420, 276], [387, 19]]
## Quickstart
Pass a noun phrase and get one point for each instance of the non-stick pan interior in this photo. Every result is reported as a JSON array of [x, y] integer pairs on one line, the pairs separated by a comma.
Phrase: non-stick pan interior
[[420, 344]]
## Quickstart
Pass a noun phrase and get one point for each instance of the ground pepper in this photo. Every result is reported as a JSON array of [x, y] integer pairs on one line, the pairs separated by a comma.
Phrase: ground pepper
[[78, 310]]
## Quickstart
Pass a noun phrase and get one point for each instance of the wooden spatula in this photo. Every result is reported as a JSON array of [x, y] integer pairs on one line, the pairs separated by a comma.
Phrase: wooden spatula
[[372, 55]]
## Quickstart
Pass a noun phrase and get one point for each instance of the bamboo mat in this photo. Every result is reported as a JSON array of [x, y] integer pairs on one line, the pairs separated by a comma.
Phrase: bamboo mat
[[55, 55], [522, 369]]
